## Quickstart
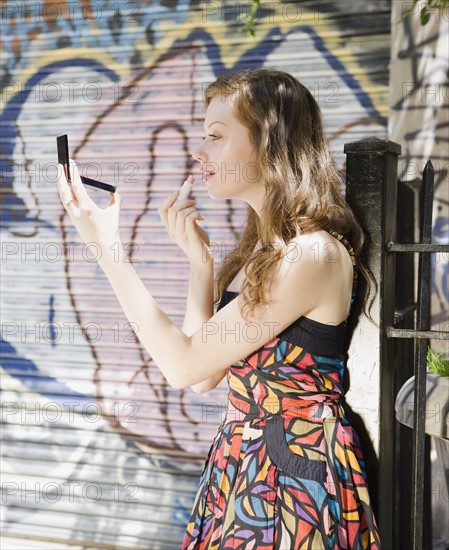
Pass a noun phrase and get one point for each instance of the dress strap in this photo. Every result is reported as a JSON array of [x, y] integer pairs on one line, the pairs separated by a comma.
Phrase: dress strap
[[349, 248]]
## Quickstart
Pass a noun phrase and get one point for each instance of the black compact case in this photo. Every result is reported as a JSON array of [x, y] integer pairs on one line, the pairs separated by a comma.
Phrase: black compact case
[[63, 158]]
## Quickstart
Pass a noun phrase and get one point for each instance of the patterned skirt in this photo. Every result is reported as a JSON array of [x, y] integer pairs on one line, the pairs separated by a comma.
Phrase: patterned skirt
[[286, 481]]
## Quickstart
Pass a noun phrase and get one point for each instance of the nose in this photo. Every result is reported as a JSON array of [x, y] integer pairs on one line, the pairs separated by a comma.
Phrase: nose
[[199, 154]]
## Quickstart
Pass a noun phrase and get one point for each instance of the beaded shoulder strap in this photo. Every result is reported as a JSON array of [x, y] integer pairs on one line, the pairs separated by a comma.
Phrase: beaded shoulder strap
[[349, 248]]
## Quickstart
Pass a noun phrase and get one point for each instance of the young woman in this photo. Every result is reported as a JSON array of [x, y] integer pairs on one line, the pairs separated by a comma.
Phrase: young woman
[[285, 470]]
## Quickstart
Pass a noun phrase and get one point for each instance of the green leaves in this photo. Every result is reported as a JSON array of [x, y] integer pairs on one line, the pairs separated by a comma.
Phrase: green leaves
[[248, 16], [429, 9], [425, 16], [436, 363]]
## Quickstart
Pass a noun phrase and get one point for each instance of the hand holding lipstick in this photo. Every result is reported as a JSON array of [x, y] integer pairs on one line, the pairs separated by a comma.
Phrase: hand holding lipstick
[[187, 186], [185, 191], [180, 216]]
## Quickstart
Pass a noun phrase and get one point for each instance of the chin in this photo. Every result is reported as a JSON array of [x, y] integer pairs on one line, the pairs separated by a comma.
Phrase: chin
[[213, 195]]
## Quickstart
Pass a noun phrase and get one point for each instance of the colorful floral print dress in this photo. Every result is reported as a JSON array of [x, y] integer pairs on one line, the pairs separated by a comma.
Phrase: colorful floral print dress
[[285, 470]]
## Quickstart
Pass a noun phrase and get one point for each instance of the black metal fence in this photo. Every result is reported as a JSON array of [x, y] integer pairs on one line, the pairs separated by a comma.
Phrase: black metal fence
[[385, 208], [420, 537]]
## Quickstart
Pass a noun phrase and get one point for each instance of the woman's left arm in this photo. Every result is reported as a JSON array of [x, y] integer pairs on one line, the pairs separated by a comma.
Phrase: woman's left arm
[[221, 341], [166, 343]]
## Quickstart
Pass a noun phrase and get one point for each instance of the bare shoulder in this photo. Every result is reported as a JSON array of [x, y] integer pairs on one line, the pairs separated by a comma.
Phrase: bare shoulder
[[315, 267], [320, 247], [313, 253], [294, 285]]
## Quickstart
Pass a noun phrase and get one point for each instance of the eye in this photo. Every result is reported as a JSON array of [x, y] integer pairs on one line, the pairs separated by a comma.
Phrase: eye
[[212, 136]]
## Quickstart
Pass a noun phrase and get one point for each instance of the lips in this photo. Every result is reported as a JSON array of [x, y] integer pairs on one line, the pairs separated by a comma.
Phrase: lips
[[207, 175]]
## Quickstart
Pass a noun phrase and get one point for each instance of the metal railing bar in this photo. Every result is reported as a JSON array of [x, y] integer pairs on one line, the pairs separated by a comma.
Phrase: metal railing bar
[[416, 247], [423, 324], [409, 333]]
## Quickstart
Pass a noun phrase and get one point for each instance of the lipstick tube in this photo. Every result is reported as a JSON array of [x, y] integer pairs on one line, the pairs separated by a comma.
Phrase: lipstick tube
[[186, 188]]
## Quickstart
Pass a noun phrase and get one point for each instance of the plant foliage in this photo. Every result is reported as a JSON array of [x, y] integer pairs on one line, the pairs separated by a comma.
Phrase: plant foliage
[[248, 17], [427, 9], [436, 363]]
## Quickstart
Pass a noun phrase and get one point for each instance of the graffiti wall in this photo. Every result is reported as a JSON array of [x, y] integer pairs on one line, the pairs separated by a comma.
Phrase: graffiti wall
[[99, 450], [419, 121]]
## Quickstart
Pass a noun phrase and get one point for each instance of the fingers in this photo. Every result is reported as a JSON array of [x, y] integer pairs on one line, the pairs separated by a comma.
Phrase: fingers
[[189, 221], [169, 201], [115, 199], [188, 215], [170, 207], [163, 208], [73, 194], [178, 214], [81, 195], [66, 193]]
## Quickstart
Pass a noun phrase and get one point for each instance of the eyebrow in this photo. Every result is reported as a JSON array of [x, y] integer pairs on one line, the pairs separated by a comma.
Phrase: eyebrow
[[219, 122]]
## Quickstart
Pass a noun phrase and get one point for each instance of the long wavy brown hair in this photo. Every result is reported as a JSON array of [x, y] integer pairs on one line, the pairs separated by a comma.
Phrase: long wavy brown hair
[[303, 184]]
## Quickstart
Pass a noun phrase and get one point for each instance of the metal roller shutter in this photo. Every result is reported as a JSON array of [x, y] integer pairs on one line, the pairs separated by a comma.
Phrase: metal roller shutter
[[98, 450]]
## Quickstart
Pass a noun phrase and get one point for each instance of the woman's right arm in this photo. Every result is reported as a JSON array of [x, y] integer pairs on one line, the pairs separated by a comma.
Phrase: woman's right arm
[[199, 309]]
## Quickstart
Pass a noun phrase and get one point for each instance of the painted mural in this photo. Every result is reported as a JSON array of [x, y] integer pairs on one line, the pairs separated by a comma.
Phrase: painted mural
[[420, 86], [99, 449], [419, 121]]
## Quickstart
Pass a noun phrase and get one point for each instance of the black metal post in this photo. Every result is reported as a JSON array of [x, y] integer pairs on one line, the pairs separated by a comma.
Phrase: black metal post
[[405, 307], [422, 323], [371, 191]]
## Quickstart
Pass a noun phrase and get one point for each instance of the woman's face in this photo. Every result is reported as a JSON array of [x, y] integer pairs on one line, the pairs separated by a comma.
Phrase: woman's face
[[228, 159]]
